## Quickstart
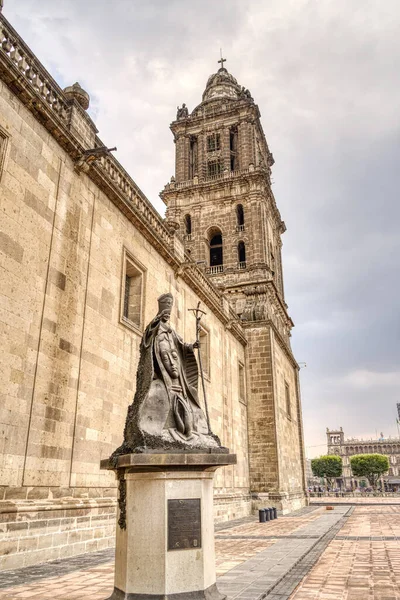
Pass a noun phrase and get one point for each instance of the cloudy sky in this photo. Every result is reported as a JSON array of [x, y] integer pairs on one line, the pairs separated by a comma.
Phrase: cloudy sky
[[325, 75]]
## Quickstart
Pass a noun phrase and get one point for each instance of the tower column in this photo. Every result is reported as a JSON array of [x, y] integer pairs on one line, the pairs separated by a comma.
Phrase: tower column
[[246, 152], [263, 451], [202, 162], [225, 145], [256, 241], [180, 152]]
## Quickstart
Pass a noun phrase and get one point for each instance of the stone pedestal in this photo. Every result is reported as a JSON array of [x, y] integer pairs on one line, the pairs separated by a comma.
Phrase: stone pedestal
[[165, 547]]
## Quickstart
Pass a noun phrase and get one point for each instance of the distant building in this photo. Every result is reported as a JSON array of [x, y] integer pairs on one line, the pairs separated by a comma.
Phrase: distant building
[[390, 447]]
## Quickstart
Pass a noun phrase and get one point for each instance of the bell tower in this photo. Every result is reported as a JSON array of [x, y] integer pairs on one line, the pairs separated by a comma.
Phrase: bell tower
[[221, 203], [221, 195]]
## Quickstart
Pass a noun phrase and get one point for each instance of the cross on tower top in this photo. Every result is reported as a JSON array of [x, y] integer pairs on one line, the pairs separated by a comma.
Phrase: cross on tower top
[[222, 60]]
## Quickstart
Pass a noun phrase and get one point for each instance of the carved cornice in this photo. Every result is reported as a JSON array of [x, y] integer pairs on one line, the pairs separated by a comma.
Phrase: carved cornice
[[263, 303]]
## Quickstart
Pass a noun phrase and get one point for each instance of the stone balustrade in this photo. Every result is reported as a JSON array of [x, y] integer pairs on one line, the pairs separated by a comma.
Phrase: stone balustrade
[[214, 270], [211, 178], [32, 71], [120, 178]]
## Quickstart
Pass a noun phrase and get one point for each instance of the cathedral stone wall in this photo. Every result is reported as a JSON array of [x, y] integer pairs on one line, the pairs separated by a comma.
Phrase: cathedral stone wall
[[289, 436], [262, 418], [68, 359]]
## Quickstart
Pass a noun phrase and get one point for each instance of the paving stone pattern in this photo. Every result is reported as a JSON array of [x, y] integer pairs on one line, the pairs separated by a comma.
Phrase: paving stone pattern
[[362, 563], [259, 576], [55, 567], [350, 553], [364, 500]]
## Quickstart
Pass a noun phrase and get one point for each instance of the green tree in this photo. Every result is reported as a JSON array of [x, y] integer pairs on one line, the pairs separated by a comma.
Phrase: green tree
[[371, 466], [329, 466]]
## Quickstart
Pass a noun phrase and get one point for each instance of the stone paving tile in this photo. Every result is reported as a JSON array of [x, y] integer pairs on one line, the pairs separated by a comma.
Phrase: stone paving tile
[[61, 567], [96, 583], [231, 553], [361, 568], [283, 588], [298, 513], [278, 527], [376, 521], [356, 500], [258, 577]]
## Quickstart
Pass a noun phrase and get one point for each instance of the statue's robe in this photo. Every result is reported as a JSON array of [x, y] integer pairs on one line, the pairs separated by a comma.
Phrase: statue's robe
[[150, 417]]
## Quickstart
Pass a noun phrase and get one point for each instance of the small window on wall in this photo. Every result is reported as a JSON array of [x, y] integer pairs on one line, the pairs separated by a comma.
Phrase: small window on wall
[[205, 351], [242, 255], [240, 217], [216, 250], [287, 400], [132, 293], [213, 142], [193, 152], [272, 262], [242, 384], [214, 167], [3, 149], [188, 225]]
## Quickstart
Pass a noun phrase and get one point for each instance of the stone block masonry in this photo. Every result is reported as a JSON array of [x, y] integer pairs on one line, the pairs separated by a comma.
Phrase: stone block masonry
[[34, 531]]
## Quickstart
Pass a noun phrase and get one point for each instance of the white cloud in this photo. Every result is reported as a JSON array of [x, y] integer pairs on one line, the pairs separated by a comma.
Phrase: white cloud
[[364, 379]]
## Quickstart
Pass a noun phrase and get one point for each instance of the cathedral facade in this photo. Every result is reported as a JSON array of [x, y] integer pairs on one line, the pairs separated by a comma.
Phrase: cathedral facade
[[84, 257]]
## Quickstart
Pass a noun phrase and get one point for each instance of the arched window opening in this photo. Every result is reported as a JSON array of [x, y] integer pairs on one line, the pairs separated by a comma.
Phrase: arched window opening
[[239, 218], [272, 262], [241, 255], [193, 152], [188, 227], [216, 253]]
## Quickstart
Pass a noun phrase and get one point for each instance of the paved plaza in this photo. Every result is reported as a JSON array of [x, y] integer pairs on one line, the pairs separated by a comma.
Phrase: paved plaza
[[364, 500], [348, 553]]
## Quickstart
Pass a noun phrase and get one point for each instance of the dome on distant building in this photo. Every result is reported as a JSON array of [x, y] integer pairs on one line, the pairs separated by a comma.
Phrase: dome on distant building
[[223, 85]]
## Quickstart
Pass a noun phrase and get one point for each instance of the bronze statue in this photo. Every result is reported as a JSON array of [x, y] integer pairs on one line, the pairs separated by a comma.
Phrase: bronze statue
[[166, 414], [182, 112]]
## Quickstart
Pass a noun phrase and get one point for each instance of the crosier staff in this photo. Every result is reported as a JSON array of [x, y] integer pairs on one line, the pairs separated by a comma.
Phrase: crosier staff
[[198, 313]]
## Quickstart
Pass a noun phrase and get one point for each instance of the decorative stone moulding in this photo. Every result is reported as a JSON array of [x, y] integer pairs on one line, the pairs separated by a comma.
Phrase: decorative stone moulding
[[76, 92]]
